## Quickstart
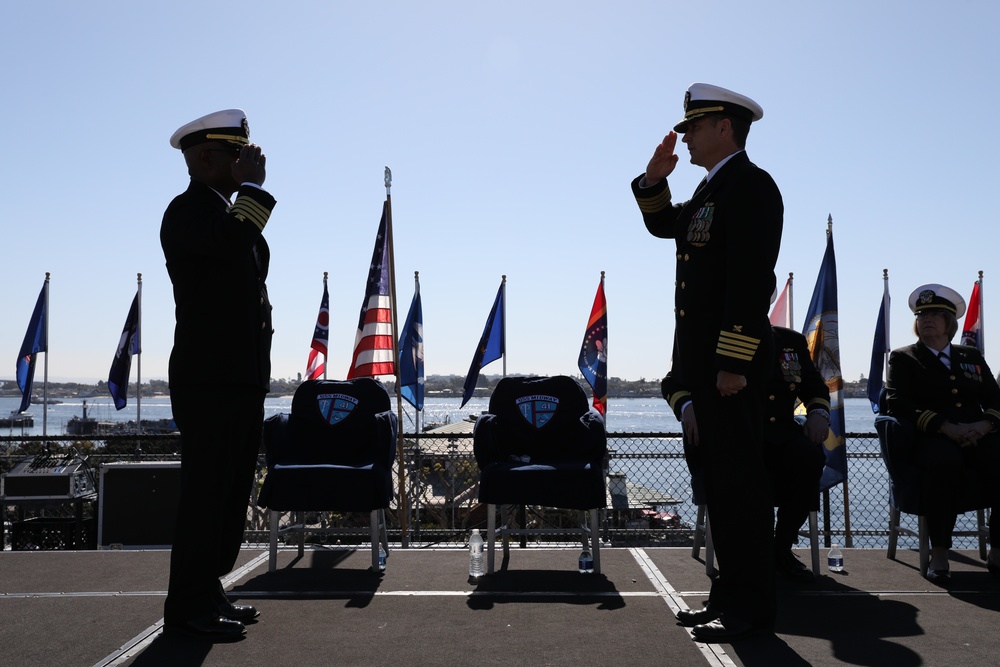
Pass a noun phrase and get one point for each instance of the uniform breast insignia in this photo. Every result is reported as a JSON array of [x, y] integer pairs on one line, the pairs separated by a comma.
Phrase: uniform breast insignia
[[701, 224], [972, 371], [791, 367]]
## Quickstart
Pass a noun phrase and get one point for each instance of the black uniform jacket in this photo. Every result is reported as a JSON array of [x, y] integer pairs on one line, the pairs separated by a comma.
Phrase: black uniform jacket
[[793, 378], [728, 236], [217, 260], [921, 389]]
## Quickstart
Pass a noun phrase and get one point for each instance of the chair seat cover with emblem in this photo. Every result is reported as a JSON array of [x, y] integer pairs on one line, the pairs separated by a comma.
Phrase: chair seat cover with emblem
[[541, 444], [334, 451]]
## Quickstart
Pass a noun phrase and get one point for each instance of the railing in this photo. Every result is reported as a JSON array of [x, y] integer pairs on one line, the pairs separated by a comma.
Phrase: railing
[[649, 500]]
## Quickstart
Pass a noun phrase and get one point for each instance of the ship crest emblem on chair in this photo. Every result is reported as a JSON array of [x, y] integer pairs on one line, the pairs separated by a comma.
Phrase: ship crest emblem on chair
[[335, 407], [537, 410]]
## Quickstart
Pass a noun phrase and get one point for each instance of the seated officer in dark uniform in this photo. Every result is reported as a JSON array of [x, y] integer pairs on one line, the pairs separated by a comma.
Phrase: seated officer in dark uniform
[[952, 398], [793, 453]]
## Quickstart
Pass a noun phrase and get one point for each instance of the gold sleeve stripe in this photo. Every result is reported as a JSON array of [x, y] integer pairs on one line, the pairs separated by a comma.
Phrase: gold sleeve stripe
[[677, 398], [248, 208], [926, 417], [655, 203], [735, 337], [734, 353], [818, 403], [993, 413]]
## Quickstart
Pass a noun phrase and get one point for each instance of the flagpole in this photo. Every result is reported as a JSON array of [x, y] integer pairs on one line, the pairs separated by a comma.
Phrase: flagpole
[[403, 523], [45, 371], [503, 320], [788, 302], [848, 537], [326, 357], [418, 411], [885, 322], [138, 360], [982, 321]]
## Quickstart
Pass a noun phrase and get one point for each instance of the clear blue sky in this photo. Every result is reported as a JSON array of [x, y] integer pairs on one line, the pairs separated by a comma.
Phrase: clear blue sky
[[512, 130]]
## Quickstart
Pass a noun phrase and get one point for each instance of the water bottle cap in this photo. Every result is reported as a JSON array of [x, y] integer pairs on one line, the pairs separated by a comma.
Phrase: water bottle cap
[[475, 531]]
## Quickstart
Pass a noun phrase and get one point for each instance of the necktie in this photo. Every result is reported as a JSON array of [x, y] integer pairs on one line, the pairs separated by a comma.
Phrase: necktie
[[944, 359]]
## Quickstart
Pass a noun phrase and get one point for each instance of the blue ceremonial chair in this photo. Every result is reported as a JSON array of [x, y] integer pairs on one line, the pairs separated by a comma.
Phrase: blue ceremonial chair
[[541, 444], [906, 491], [333, 452]]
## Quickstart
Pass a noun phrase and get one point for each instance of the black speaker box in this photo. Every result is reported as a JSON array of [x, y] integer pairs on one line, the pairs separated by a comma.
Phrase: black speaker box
[[137, 504]]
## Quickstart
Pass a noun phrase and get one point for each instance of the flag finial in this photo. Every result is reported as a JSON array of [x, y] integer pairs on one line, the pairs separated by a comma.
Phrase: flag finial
[[388, 180]]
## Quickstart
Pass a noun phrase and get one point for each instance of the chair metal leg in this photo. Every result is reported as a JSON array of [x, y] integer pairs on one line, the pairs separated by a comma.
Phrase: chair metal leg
[[983, 533], [595, 541], [814, 540], [699, 533], [709, 548], [301, 518], [491, 527], [893, 532], [272, 555], [375, 538], [925, 544]]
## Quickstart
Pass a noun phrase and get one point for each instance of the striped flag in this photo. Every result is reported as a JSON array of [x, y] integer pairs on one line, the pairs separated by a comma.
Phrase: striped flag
[[821, 329], [972, 331], [593, 361], [316, 365], [129, 345], [374, 347], [781, 314]]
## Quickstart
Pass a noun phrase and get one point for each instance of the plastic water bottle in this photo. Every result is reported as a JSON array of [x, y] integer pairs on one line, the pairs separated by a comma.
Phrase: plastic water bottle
[[835, 559], [382, 555], [586, 562], [477, 566]]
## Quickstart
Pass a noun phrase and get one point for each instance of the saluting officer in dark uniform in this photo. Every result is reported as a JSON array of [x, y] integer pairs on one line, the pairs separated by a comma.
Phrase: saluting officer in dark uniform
[[728, 236], [793, 452], [949, 393], [220, 364]]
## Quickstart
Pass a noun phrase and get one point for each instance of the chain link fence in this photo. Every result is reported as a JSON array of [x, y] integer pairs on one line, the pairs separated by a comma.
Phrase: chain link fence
[[649, 495]]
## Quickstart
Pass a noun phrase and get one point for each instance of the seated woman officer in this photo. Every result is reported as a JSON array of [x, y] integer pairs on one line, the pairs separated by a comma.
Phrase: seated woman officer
[[950, 395]]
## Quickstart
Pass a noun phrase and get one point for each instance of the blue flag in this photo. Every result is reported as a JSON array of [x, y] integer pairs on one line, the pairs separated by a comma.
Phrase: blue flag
[[821, 330], [35, 341], [411, 355], [880, 345], [490, 348], [121, 365]]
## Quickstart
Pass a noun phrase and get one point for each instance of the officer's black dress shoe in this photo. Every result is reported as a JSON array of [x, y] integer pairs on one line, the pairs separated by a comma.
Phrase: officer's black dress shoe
[[210, 628], [692, 617], [724, 629], [238, 612], [791, 567]]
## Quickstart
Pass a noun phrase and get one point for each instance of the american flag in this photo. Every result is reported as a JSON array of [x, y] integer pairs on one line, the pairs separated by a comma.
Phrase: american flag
[[374, 344], [316, 365]]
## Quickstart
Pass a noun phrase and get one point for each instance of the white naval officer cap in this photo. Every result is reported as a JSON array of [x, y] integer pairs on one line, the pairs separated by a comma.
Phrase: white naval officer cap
[[936, 297], [228, 125], [703, 99]]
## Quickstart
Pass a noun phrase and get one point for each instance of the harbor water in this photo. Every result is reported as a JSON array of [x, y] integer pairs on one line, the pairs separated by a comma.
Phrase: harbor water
[[625, 415]]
